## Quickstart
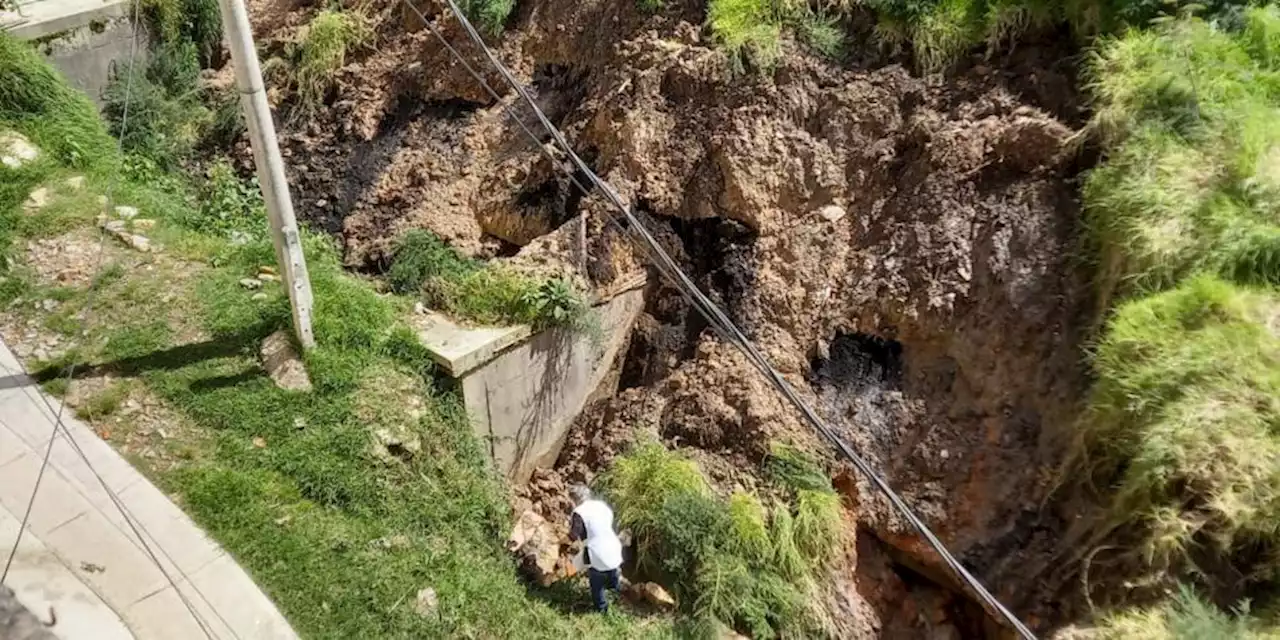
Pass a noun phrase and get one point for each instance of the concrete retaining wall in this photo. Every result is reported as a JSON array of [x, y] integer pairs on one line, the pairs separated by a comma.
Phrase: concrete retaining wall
[[523, 392], [84, 39]]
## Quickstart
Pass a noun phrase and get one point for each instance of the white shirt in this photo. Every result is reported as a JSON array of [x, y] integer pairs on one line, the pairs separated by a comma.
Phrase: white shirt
[[604, 549]]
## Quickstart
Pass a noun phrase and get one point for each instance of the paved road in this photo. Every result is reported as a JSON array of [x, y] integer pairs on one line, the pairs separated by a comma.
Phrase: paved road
[[82, 560]]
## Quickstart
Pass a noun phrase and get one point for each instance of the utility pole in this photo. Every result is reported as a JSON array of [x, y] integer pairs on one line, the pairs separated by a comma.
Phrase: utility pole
[[266, 157]]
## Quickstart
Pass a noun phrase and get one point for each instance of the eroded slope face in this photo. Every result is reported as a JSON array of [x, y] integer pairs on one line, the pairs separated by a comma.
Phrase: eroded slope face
[[899, 248]]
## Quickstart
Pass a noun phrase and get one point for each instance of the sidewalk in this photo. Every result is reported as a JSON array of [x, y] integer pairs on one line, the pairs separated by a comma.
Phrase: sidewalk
[[79, 556]]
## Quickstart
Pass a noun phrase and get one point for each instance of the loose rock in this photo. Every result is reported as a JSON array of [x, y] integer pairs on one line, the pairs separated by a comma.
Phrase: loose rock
[[16, 150], [126, 212], [832, 213], [654, 595], [251, 283], [426, 602], [140, 243], [74, 183], [36, 200], [283, 364], [259, 297], [534, 543]]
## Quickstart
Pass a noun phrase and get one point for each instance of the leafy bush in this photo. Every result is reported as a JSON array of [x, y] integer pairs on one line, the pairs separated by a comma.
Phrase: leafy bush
[[228, 204], [166, 116], [182, 23], [329, 38], [728, 562]]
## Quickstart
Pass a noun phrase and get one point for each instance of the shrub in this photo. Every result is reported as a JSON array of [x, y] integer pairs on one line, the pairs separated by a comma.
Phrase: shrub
[[491, 15], [196, 23], [795, 470], [727, 562], [748, 30], [329, 38], [421, 256], [1182, 421], [166, 117]]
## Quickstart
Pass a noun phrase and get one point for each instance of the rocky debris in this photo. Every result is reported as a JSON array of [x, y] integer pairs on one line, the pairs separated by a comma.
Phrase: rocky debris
[[537, 549], [652, 594], [268, 277], [259, 296], [144, 224], [16, 150], [74, 183], [426, 602], [36, 200], [283, 363], [251, 283], [137, 242], [120, 228]]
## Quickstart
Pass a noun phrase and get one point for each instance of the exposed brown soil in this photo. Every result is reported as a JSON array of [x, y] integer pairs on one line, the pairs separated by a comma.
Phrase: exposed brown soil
[[898, 246]]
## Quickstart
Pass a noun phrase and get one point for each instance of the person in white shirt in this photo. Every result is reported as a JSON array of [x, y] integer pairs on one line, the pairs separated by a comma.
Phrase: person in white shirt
[[592, 521]]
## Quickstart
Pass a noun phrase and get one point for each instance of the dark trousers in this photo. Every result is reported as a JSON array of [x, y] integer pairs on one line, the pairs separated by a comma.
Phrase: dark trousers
[[601, 580]]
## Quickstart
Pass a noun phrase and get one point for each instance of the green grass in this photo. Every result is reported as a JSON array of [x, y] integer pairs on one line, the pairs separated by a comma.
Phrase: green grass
[[330, 37], [1182, 426], [304, 512], [729, 562], [748, 30], [490, 16], [35, 101], [485, 294], [103, 403], [1183, 617], [1182, 420]]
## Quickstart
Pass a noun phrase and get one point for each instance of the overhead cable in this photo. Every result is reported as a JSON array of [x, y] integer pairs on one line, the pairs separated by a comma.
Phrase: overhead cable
[[714, 315], [62, 405]]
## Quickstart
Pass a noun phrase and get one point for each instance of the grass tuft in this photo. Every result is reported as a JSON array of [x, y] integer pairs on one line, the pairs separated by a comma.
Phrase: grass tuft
[[1182, 421], [730, 562], [1184, 617], [485, 294], [748, 30], [329, 38]]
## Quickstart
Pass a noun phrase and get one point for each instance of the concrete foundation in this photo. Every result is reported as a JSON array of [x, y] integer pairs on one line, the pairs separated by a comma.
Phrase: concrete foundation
[[523, 391], [85, 39]]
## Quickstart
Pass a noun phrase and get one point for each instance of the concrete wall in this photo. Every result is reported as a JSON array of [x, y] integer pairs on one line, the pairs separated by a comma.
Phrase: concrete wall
[[523, 401], [84, 39]]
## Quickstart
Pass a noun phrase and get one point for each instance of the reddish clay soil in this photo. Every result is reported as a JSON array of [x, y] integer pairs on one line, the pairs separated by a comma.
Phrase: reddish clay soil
[[900, 247]]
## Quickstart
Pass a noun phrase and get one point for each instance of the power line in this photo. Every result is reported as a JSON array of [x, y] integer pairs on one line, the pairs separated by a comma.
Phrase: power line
[[57, 415], [719, 320]]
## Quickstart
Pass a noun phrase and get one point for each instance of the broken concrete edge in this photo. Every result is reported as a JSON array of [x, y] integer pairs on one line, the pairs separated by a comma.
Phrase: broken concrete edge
[[460, 349], [52, 18]]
